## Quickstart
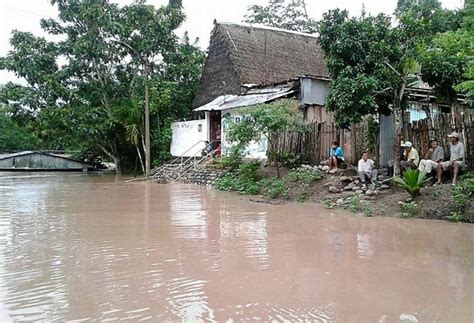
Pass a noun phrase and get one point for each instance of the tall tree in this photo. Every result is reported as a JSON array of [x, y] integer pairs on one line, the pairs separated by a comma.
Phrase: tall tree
[[147, 35], [111, 55], [448, 63], [289, 15], [371, 64]]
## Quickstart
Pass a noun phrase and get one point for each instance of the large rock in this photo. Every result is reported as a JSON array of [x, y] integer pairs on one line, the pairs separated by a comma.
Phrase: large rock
[[370, 192], [384, 187], [326, 168], [355, 188], [334, 190], [346, 179], [349, 187]]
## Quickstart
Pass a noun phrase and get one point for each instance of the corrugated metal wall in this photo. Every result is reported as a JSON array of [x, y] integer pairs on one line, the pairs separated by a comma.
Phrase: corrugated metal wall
[[386, 139], [314, 91]]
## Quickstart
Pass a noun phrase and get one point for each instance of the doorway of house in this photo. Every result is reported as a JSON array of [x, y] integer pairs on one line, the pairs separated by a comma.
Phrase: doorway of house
[[215, 127]]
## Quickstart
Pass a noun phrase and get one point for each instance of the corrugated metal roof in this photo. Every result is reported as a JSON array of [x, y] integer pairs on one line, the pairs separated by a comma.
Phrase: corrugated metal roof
[[21, 153], [254, 96], [24, 153]]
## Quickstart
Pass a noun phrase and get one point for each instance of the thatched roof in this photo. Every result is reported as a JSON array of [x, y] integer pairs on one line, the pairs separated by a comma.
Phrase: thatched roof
[[239, 55]]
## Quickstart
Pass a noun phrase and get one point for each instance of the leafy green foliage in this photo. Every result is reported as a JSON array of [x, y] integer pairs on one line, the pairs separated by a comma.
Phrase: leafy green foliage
[[289, 15], [329, 203], [353, 204], [305, 175], [370, 134], [225, 183], [14, 137], [246, 180], [462, 195], [370, 62], [410, 209], [274, 188], [412, 181], [448, 63], [266, 121], [445, 64], [95, 100], [368, 212], [291, 160]]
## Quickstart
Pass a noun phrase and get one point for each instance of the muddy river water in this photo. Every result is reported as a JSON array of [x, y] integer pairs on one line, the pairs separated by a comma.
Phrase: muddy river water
[[92, 247]]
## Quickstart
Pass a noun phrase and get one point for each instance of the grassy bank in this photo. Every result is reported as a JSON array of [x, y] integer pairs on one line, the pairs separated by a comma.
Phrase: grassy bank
[[309, 184], [251, 179]]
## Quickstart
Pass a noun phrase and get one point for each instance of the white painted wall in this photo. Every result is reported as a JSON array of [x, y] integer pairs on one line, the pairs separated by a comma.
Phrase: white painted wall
[[256, 150], [186, 134]]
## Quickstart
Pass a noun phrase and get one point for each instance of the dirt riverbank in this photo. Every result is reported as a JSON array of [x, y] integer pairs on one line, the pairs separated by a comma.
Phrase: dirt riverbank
[[383, 199]]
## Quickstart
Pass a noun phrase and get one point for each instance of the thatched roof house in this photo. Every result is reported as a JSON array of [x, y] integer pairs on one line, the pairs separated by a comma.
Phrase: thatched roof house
[[243, 55]]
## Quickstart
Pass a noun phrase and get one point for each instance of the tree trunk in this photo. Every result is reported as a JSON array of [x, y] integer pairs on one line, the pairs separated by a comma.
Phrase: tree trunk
[[118, 165], [277, 167], [398, 139], [141, 159], [147, 124], [397, 111], [115, 157], [274, 155]]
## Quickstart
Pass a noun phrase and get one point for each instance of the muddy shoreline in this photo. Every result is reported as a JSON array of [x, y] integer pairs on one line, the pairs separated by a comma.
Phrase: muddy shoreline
[[386, 200]]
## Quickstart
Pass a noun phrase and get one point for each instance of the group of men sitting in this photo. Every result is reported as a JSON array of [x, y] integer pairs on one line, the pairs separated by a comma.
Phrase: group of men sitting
[[434, 160]]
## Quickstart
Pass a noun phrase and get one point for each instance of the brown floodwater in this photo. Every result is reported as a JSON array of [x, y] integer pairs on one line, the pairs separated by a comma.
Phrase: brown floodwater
[[92, 247]]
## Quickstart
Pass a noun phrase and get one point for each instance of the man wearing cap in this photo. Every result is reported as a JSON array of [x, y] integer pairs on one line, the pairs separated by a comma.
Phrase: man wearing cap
[[433, 157], [411, 156], [456, 148]]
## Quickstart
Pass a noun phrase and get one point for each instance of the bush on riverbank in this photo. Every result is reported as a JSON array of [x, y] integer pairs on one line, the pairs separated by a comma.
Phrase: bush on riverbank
[[462, 195], [248, 179]]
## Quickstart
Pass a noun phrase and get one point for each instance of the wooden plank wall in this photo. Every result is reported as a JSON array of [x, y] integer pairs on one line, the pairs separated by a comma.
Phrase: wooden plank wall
[[314, 145]]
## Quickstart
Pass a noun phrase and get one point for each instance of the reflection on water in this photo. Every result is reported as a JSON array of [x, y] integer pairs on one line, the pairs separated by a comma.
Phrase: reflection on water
[[90, 247]]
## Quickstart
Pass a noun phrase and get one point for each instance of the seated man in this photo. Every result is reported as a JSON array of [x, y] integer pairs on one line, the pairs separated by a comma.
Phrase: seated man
[[366, 169], [207, 149], [336, 157], [411, 157], [433, 157], [456, 161]]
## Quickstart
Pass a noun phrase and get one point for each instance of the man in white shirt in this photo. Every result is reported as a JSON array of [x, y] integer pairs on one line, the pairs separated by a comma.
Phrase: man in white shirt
[[366, 169], [456, 161]]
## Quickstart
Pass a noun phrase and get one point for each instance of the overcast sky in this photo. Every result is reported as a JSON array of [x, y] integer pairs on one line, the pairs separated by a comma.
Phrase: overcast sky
[[24, 15]]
